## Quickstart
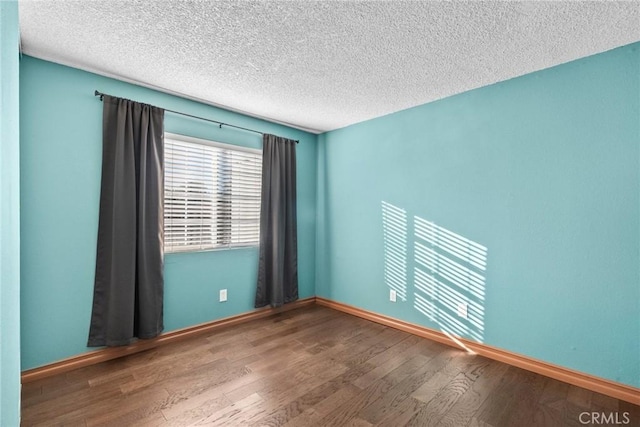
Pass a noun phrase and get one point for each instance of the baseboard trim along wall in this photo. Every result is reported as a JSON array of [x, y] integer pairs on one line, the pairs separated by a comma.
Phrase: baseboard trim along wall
[[109, 353], [599, 385]]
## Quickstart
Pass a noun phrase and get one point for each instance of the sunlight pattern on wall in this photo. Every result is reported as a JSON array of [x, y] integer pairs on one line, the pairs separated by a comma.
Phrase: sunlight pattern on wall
[[394, 222], [449, 277]]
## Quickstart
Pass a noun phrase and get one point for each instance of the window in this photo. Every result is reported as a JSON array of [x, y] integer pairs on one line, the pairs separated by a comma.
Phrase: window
[[211, 194]]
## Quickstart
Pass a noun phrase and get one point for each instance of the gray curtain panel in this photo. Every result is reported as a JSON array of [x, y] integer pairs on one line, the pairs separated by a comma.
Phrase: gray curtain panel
[[129, 284], [278, 265]]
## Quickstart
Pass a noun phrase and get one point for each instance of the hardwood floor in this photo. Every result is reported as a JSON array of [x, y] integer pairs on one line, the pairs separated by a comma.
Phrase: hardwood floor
[[309, 367]]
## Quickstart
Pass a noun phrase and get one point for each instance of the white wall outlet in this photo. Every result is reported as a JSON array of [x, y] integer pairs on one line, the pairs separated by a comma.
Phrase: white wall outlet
[[223, 295], [392, 295], [462, 309]]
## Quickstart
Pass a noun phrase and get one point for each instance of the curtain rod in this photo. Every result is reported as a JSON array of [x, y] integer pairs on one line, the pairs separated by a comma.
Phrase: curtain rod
[[101, 95]]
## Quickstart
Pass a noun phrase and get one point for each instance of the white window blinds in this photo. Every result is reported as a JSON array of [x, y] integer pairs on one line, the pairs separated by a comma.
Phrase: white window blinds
[[211, 194]]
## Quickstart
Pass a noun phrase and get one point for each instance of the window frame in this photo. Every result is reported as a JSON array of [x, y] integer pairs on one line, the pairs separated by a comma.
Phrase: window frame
[[222, 146]]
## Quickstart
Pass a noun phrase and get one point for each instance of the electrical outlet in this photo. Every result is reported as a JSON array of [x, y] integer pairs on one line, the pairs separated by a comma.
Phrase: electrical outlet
[[392, 295], [462, 310], [223, 295]]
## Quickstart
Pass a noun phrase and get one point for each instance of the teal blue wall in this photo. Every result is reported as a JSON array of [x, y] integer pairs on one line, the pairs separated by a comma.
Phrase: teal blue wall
[[9, 218], [61, 125], [541, 171]]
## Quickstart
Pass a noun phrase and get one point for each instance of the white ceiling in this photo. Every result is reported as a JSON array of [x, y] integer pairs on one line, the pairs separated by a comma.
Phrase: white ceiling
[[320, 65]]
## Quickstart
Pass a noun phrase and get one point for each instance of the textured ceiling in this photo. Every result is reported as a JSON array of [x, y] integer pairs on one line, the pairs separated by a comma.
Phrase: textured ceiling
[[320, 65]]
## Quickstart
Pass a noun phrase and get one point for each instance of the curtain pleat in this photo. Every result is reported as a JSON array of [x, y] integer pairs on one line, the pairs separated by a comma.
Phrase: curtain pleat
[[129, 284], [278, 263]]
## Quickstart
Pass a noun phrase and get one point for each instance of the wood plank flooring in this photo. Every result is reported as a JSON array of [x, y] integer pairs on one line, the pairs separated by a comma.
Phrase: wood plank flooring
[[309, 367]]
